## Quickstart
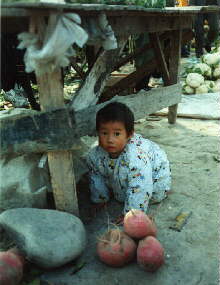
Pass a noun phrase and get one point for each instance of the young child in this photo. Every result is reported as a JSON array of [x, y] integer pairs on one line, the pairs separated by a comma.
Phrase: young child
[[124, 163]]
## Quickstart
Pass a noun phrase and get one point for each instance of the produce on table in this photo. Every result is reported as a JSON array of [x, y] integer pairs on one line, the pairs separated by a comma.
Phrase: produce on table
[[216, 88], [187, 89], [116, 248], [202, 77], [11, 267], [203, 88], [138, 225], [216, 72], [203, 68], [211, 58], [150, 254], [210, 83], [194, 80]]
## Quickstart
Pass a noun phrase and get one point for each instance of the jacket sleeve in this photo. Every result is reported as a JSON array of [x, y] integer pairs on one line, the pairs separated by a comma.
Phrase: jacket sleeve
[[140, 185], [99, 192]]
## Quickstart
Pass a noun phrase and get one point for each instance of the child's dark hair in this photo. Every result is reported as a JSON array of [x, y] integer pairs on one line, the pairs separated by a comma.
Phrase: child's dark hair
[[116, 112]]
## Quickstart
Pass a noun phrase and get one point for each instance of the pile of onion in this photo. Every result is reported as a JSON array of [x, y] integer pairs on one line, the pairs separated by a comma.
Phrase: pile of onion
[[11, 267], [138, 225], [116, 248], [150, 254]]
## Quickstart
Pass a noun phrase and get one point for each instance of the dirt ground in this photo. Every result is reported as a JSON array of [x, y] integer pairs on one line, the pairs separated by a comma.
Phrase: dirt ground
[[191, 255]]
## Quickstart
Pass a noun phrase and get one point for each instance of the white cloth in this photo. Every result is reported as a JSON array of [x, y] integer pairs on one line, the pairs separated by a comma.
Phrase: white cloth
[[62, 31], [141, 172], [100, 32]]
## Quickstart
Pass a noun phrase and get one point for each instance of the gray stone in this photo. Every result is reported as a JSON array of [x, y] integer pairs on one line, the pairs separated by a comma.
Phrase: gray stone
[[48, 238], [23, 182]]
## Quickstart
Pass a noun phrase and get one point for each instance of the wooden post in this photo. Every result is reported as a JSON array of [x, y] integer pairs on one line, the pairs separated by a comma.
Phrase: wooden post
[[174, 59], [169, 74], [60, 163], [159, 55]]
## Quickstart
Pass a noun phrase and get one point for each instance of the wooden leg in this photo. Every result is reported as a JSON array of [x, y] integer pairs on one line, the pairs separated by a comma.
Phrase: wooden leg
[[60, 163], [170, 75], [63, 181], [160, 58], [175, 53], [172, 114], [51, 97]]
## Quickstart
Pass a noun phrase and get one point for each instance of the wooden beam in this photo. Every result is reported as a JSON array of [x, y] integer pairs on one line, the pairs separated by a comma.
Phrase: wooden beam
[[174, 60], [58, 130], [77, 68], [151, 24], [94, 83], [60, 163], [129, 80], [138, 51], [131, 56], [160, 58]]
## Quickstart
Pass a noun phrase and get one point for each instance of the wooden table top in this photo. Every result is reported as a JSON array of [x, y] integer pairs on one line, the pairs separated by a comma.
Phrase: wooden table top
[[20, 9]]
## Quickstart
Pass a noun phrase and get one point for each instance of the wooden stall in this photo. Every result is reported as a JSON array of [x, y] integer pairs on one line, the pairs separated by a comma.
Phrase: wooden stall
[[57, 126]]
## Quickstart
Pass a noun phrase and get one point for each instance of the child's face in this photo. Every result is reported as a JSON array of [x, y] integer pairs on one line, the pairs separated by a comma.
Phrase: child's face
[[113, 137]]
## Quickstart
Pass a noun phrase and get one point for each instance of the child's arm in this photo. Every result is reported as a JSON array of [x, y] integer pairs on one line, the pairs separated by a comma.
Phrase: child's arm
[[99, 192], [140, 186]]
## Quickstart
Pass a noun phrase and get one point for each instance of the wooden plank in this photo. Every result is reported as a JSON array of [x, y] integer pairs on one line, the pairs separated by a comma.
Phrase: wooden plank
[[77, 68], [133, 20], [138, 51], [59, 129], [116, 9], [131, 56], [60, 163], [128, 81], [162, 37], [94, 83], [11, 12], [159, 55], [142, 71], [174, 59], [153, 23]]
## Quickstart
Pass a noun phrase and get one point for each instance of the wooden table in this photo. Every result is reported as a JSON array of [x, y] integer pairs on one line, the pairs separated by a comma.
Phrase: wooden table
[[56, 128]]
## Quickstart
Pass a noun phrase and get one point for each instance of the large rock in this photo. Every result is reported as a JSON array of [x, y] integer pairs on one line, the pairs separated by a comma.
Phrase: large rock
[[23, 182], [48, 238]]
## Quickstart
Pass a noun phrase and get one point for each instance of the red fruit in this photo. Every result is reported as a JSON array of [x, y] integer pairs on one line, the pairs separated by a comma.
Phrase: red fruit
[[115, 248], [150, 254], [138, 225], [11, 267]]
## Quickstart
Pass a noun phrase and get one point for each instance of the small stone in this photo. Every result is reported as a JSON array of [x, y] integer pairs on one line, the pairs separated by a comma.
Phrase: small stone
[[140, 121]]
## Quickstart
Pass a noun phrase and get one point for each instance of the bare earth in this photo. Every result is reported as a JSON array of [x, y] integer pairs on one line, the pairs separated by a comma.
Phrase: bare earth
[[191, 255]]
